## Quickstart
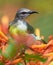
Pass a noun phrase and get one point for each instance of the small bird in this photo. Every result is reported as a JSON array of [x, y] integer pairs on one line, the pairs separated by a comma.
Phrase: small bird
[[20, 26]]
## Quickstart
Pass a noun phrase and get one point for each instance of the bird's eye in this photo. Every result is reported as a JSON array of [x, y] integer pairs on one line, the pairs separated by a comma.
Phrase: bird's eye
[[23, 12]]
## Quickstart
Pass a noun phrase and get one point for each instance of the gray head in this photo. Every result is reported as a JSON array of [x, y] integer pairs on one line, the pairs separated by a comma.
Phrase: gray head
[[23, 13]]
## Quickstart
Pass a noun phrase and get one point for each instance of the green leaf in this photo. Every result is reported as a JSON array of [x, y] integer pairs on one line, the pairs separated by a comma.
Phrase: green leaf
[[11, 50], [1, 63], [0, 52], [35, 57], [19, 64]]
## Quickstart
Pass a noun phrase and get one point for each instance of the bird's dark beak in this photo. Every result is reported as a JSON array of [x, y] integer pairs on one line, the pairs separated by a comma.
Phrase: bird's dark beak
[[32, 12]]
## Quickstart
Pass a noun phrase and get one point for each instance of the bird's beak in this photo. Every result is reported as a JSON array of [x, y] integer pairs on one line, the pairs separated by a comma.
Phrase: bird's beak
[[32, 12]]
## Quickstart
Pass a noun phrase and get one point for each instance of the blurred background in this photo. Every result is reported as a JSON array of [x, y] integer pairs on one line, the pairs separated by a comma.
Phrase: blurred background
[[42, 22]]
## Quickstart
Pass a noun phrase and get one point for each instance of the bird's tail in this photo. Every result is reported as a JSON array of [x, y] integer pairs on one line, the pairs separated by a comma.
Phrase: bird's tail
[[38, 38]]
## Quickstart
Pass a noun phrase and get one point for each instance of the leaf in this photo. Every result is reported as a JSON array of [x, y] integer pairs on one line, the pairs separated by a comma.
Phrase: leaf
[[19, 64], [35, 57], [1, 63], [10, 50], [0, 52]]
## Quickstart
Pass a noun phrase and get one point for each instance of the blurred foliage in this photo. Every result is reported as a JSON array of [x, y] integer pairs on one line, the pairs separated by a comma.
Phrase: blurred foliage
[[0, 52], [1, 63], [34, 57], [45, 25], [10, 50], [19, 64]]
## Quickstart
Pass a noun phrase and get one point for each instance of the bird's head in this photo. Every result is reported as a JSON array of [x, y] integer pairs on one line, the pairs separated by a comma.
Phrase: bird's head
[[23, 13]]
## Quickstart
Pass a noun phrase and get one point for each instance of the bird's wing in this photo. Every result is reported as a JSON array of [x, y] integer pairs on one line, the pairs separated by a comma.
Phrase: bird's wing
[[30, 29]]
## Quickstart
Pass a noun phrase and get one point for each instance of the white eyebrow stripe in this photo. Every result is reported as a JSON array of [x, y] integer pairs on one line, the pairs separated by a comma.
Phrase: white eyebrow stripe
[[25, 10]]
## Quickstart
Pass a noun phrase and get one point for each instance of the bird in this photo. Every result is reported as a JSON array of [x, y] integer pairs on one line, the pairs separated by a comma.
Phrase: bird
[[20, 26]]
